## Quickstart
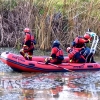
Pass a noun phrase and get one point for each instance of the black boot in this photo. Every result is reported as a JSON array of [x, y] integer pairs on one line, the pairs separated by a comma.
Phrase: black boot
[[48, 61], [90, 58], [26, 58]]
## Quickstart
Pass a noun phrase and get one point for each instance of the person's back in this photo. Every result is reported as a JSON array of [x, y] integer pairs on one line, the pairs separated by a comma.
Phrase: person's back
[[33, 40], [57, 55], [75, 56]]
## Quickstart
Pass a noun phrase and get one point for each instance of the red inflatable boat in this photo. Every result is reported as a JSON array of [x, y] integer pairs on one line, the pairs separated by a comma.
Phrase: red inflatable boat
[[18, 63]]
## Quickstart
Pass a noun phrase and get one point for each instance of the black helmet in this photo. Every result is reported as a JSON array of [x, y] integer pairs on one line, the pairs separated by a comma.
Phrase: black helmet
[[56, 43]]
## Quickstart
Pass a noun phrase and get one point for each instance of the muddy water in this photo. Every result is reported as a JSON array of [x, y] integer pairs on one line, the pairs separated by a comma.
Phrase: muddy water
[[48, 86]]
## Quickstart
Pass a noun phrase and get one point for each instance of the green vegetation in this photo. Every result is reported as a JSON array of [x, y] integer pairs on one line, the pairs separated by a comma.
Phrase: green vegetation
[[48, 19]]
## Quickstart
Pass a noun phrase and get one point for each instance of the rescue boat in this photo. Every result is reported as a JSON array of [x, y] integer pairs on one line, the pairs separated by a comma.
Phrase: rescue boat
[[18, 63]]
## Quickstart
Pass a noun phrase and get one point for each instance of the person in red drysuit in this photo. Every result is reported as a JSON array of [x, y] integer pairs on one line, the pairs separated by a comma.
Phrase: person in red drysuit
[[75, 56], [78, 51], [28, 45], [57, 55], [79, 42]]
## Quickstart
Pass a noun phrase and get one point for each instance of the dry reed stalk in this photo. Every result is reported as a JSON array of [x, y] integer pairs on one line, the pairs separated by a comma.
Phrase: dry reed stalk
[[45, 30], [1, 31]]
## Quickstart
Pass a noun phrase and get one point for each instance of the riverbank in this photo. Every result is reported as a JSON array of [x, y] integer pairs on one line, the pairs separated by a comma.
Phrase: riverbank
[[48, 20]]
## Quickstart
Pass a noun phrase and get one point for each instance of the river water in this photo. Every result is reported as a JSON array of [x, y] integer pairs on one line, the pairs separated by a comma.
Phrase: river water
[[48, 86]]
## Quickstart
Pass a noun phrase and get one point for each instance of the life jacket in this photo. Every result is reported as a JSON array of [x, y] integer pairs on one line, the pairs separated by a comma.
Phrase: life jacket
[[80, 42], [33, 40], [75, 55], [29, 40], [71, 55], [58, 53]]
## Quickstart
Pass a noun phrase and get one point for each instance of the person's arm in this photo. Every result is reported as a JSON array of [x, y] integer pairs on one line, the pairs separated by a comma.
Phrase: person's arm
[[53, 52], [71, 56], [87, 41]]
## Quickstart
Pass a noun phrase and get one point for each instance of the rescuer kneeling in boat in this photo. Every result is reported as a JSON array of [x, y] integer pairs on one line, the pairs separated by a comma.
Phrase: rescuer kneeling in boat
[[57, 55], [80, 53], [75, 56], [28, 45]]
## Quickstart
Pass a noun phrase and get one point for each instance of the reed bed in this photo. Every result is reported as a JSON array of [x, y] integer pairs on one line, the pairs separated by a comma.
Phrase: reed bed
[[48, 20]]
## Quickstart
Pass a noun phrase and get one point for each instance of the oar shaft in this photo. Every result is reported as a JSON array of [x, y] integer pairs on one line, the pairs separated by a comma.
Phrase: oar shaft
[[60, 67], [56, 66]]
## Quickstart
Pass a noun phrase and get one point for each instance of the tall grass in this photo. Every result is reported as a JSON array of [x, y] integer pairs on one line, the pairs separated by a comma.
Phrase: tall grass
[[48, 20]]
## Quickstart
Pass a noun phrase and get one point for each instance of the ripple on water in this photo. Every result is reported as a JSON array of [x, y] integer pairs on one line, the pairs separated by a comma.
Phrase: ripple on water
[[4, 68]]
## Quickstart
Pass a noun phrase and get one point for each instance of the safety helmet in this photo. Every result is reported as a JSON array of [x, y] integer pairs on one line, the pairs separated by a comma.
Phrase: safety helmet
[[79, 40], [68, 49], [87, 36], [26, 30], [56, 42]]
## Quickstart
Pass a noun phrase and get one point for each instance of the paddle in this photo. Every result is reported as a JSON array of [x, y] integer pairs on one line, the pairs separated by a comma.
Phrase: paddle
[[61, 67], [56, 66]]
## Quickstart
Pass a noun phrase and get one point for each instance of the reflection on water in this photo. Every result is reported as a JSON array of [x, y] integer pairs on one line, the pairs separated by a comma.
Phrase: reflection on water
[[48, 86]]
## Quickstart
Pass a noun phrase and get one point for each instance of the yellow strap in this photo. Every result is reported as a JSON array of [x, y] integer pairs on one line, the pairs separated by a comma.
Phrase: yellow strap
[[29, 55]]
